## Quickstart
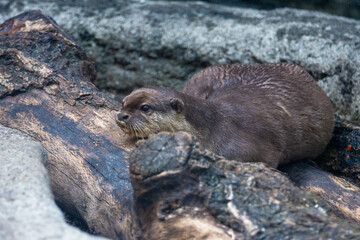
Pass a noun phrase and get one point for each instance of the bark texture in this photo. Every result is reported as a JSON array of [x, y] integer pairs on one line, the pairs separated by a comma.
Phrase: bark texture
[[46, 92], [342, 197], [183, 192]]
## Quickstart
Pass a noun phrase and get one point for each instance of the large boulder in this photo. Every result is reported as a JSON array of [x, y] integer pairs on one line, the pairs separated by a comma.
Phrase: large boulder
[[163, 43], [350, 9], [27, 206]]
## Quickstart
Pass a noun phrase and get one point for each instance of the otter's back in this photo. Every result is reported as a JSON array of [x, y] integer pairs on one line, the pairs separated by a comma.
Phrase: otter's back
[[273, 78], [301, 114]]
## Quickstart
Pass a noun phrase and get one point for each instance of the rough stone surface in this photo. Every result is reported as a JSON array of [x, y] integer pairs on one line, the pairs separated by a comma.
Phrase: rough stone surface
[[138, 43], [350, 8], [177, 184], [27, 207]]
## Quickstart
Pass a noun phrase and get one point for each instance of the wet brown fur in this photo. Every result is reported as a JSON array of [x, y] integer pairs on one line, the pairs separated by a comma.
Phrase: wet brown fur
[[272, 113]]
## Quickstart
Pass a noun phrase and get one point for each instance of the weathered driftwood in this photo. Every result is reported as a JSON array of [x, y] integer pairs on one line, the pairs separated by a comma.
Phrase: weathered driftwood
[[183, 192], [45, 91], [341, 197]]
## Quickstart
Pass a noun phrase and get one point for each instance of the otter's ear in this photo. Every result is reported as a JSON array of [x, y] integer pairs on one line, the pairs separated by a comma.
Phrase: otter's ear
[[177, 105]]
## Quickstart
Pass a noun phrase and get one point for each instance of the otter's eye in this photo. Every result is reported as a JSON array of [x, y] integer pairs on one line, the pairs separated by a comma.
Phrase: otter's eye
[[145, 108]]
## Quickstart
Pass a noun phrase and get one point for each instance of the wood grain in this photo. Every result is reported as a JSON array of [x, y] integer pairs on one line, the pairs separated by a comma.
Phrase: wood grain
[[46, 92], [342, 197]]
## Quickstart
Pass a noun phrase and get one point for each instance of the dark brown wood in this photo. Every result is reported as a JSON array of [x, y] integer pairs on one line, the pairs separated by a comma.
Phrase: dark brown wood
[[342, 156], [342, 197], [184, 192], [46, 92]]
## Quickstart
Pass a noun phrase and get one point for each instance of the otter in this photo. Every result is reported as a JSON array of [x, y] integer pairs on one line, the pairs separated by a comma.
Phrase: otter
[[272, 113]]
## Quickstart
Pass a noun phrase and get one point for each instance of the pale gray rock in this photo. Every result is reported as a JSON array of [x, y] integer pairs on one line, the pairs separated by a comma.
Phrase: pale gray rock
[[138, 43], [27, 207]]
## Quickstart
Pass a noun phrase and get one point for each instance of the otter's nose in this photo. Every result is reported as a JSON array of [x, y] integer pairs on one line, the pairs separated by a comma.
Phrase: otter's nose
[[122, 117]]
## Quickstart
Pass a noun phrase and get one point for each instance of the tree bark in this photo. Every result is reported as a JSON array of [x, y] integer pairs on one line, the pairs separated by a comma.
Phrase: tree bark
[[342, 197], [46, 92], [184, 192]]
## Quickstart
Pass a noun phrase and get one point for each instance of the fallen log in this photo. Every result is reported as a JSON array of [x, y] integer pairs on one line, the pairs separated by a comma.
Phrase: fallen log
[[46, 92], [184, 192], [341, 197]]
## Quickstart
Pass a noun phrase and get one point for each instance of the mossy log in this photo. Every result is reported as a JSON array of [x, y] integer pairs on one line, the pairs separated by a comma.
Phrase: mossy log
[[46, 92]]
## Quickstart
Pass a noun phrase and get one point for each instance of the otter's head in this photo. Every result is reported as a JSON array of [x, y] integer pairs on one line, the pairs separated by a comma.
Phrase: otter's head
[[147, 111]]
